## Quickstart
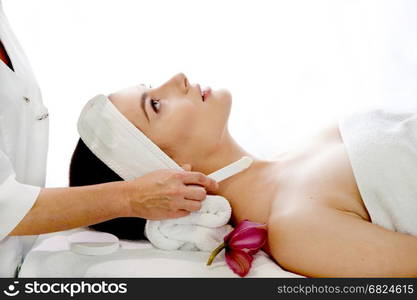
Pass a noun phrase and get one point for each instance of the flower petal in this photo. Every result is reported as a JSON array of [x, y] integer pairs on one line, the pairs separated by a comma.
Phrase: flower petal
[[242, 226], [252, 251], [249, 238], [239, 261]]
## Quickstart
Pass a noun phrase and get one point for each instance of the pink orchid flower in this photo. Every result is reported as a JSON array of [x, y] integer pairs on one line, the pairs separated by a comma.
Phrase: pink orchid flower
[[240, 244]]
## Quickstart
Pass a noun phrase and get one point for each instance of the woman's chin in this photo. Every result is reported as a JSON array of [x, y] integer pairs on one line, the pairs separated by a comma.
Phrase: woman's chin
[[224, 94], [222, 97]]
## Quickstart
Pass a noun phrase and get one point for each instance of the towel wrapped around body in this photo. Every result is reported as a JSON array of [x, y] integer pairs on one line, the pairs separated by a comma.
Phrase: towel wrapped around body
[[382, 147]]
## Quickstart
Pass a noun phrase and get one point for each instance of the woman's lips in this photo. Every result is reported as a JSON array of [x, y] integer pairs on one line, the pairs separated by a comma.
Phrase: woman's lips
[[206, 93]]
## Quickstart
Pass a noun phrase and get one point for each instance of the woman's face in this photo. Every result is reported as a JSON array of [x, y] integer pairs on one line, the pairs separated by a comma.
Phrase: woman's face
[[176, 117]]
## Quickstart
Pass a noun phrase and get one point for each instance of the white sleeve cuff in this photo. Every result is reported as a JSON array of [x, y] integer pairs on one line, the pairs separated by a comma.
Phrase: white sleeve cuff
[[16, 199]]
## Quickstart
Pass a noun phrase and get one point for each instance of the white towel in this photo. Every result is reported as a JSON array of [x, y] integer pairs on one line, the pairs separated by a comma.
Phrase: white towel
[[382, 148], [202, 230], [118, 143]]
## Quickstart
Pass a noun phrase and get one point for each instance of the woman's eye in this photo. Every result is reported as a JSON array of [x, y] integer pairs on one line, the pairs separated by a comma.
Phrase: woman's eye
[[155, 105]]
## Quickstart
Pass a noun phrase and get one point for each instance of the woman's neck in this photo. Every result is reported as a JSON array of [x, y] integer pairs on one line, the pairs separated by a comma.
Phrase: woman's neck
[[226, 153], [259, 179]]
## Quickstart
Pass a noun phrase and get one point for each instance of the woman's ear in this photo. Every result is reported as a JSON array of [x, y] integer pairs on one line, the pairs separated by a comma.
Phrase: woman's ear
[[186, 167]]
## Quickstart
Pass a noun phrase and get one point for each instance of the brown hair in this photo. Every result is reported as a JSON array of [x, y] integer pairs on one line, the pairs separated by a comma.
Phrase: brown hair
[[88, 169]]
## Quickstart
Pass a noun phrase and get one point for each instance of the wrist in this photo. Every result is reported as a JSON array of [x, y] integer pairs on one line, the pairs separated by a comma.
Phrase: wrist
[[120, 196]]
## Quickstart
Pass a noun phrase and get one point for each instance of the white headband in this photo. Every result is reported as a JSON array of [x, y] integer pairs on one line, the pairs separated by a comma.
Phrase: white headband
[[118, 143]]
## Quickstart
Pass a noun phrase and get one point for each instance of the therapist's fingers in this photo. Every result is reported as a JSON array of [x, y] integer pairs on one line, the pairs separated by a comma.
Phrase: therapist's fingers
[[195, 192], [177, 214], [200, 179], [189, 205]]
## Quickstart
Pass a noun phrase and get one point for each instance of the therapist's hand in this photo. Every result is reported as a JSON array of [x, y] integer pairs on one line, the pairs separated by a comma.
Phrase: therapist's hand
[[166, 194]]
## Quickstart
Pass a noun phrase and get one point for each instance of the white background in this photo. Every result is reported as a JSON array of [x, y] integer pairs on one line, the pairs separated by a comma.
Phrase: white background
[[291, 65]]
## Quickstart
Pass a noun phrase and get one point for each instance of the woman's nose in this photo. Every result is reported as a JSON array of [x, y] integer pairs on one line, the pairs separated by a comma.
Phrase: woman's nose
[[181, 81], [178, 83]]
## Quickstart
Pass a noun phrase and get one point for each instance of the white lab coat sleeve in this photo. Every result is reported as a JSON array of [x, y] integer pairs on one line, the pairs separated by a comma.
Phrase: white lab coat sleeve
[[16, 199]]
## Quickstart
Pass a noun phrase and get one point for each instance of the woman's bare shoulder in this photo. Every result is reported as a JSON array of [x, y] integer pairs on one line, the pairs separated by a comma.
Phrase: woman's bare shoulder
[[321, 137], [326, 242], [328, 132]]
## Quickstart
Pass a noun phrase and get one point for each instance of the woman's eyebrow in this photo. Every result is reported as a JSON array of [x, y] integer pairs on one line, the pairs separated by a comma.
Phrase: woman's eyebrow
[[142, 104]]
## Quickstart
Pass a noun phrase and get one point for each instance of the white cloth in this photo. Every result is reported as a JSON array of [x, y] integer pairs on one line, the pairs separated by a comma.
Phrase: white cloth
[[382, 147], [23, 148], [51, 257], [118, 143], [202, 230], [131, 154]]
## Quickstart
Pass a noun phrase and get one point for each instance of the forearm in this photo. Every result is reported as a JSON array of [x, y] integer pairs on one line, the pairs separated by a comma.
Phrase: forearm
[[58, 209]]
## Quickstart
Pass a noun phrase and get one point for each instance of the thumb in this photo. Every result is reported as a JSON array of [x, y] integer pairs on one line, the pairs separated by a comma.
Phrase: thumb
[[186, 167]]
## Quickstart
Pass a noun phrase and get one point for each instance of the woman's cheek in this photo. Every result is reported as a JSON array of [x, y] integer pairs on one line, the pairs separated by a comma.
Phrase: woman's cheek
[[184, 129]]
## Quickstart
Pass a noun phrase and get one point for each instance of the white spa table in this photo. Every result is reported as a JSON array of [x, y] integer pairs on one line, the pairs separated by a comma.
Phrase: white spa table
[[51, 257]]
